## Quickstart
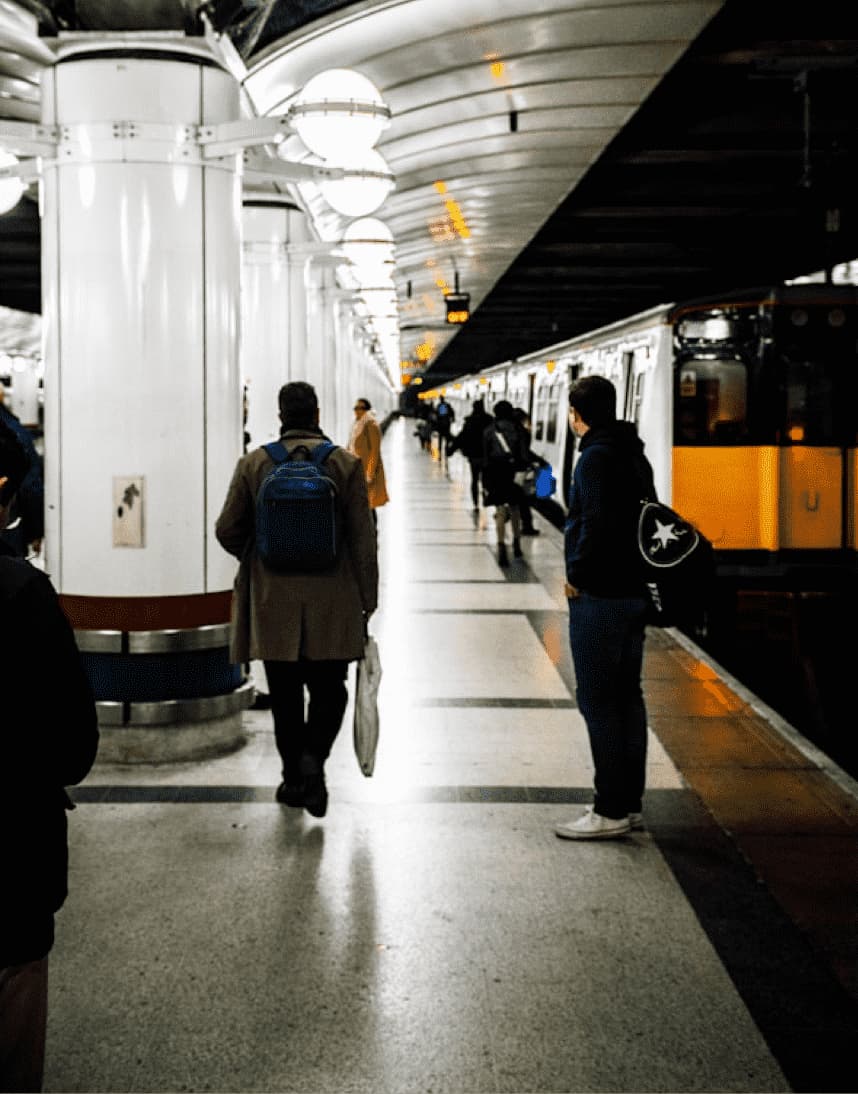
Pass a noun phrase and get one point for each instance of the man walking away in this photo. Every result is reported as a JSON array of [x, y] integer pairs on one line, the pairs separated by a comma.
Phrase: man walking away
[[306, 626], [502, 458], [48, 741], [470, 443], [606, 606], [444, 418]]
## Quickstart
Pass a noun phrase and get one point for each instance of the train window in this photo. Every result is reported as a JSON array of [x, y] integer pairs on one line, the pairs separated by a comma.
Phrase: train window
[[540, 404], [637, 398], [551, 416], [711, 401], [809, 404]]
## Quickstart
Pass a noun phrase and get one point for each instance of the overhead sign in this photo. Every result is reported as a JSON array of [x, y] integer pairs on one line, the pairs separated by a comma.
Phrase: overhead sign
[[458, 307]]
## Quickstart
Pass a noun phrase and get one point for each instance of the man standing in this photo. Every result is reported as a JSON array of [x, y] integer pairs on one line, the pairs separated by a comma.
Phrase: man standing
[[305, 626], [365, 443], [48, 740], [607, 606]]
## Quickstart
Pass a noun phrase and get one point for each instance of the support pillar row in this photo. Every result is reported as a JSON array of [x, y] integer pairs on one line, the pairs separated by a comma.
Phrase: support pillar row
[[141, 259]]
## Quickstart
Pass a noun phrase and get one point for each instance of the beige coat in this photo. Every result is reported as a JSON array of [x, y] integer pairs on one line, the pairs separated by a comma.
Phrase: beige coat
[[365, 443], [281, 617]]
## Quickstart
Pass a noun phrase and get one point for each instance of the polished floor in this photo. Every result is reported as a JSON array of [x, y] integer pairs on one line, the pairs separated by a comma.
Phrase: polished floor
[[431, 934]]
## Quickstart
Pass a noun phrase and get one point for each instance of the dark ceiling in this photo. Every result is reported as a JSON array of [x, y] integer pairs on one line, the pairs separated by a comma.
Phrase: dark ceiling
[[740, 169]]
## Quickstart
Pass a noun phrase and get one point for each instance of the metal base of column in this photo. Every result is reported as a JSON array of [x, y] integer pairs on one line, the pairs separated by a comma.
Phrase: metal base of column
[[173, 731]]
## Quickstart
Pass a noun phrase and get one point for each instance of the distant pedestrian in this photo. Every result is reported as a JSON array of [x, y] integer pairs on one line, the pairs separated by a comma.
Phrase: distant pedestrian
[[444, 418], [522, 424], [365, 443], [503, 456], [305, 626], [48, 741], [607, 606], [470, 443]]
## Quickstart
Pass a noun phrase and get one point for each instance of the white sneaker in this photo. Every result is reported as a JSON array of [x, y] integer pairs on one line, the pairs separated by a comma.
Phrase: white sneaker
[[636, 822], [591, 825]]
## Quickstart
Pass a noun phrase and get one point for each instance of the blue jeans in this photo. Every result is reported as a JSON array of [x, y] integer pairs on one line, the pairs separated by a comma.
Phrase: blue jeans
[[606, 635]]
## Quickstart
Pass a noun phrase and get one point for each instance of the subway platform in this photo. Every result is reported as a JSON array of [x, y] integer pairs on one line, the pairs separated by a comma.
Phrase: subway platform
[[431, 934]]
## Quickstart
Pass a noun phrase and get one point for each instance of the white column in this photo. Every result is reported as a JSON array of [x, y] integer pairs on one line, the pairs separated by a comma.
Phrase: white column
[[273, 309], [321, 363], [141, 270]]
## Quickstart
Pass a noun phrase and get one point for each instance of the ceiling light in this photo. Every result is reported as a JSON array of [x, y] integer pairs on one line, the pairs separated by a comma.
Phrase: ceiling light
[[367, 182], [339, 113], [11, 187]]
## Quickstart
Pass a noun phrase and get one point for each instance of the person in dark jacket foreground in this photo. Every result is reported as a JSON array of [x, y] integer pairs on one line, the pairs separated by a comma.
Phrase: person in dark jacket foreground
[[605, 593], [48, 740]]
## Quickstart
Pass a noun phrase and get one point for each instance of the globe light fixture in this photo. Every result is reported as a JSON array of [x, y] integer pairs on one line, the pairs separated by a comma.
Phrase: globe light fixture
[[338, 114], [368, 244], [366, 183], [11, 187]]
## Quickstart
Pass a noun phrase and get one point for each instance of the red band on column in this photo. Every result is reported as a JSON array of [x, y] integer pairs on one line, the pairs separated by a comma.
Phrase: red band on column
[[145, 613]]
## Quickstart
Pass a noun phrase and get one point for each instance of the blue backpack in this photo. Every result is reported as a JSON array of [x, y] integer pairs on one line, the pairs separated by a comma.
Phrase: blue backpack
[[297, 524]]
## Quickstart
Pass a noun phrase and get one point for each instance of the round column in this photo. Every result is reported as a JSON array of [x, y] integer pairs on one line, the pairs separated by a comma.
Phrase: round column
[[273, 308], [141, 270], [321, 365]]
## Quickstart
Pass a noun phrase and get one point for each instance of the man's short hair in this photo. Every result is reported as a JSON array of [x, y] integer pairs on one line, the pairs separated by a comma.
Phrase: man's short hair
[[14, 463], [298, 405], [503, 410], [595, 399], [365, 403]]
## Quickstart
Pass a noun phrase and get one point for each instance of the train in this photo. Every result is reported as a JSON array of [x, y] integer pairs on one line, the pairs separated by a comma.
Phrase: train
[[747, 403]]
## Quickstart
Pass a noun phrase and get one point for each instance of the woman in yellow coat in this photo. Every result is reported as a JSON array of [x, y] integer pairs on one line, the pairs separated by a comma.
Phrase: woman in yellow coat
[[365, 443]]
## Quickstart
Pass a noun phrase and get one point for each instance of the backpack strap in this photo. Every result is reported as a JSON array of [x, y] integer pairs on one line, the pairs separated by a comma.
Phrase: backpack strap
[[279, 453], [321, 452], [276, 451]]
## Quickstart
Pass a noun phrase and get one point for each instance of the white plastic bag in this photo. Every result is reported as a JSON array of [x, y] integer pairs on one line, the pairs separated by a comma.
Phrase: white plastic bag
[[366, 706]]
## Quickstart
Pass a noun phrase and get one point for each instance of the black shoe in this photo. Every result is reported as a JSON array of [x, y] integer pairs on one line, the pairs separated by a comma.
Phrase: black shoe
[[503, 557], [261, 701], [315, 791], [290, 794], [316, 795], [530, 531], [516, 548]]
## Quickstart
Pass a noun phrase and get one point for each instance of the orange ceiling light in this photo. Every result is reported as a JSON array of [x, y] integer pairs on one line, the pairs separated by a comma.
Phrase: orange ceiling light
[[447, 228]]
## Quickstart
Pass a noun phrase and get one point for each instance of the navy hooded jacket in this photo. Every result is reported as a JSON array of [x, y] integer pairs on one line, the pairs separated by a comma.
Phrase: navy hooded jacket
[[611, 477]]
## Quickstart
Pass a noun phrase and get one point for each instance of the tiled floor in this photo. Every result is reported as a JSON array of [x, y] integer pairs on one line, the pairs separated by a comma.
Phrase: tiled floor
[[431, 933]]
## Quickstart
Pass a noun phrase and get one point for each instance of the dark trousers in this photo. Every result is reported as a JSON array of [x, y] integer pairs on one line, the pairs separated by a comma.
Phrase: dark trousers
[[526, 515], [23, 1022], [476, 472], [306, 729], [606, 635]]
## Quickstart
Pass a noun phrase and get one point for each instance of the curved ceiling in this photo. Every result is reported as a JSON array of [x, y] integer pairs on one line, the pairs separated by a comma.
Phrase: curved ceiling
[[499, 108], [569, 161]]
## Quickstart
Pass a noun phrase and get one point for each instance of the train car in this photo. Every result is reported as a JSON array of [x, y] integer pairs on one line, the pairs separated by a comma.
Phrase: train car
[[748, 406]]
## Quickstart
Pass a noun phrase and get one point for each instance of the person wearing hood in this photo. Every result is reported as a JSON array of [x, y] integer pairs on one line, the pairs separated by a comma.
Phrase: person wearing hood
[[607, 606]]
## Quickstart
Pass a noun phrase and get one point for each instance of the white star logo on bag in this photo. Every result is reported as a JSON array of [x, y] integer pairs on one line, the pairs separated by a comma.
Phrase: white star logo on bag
[[664, 533]]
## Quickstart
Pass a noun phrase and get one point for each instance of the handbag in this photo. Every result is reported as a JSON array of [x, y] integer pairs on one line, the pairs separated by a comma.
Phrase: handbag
[[524, 479], [365, 730], [545, 483]]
